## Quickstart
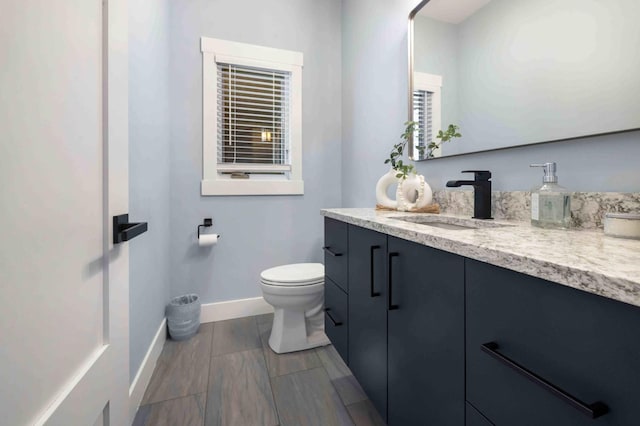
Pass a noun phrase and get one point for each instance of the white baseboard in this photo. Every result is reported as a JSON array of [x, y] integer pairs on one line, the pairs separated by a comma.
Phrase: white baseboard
[[141, 381], [234, 309]]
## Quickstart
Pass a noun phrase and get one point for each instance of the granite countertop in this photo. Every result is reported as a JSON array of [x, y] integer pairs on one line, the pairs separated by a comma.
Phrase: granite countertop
[[586, 260]]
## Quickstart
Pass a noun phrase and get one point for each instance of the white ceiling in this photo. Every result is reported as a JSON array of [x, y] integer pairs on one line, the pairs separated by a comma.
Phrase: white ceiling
[[451, 11]]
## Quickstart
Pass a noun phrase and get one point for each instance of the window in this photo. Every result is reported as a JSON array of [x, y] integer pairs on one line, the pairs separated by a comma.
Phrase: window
[[423, 115], [251, 119], [427, 110]]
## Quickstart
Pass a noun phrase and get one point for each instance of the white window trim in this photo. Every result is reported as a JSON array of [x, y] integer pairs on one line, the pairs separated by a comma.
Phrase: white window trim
[[431, 83], [213, 183]]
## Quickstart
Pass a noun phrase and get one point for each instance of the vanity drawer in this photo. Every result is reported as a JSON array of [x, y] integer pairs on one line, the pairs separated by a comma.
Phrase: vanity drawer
[[583, 344], [335, 317], [336, 251]]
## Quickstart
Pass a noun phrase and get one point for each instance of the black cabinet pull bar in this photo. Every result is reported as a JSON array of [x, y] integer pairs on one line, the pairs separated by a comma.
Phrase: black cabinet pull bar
[[390, 304], [327, 249], [336, 323], [373, 293], [593, 410]]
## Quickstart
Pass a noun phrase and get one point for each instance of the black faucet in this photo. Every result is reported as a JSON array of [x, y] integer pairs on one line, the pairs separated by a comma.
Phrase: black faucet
[[481, 194]]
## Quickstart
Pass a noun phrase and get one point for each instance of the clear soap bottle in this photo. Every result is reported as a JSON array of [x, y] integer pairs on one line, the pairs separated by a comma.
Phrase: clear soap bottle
[[550, 203]]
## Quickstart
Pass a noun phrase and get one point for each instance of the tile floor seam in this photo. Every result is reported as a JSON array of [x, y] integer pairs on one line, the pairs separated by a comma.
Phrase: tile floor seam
[[206, 392], [163, 362], [336, 390], [170, 399], [239, 352], [300, 371], [339, 395], [273, 395], [350, 416], [321, 371]]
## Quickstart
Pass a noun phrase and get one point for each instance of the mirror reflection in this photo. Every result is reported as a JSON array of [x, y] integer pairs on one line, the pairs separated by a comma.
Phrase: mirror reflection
[[518, 72]]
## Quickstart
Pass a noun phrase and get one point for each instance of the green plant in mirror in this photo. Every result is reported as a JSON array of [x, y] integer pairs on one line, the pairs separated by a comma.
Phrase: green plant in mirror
[[395, 157], [451, 133]]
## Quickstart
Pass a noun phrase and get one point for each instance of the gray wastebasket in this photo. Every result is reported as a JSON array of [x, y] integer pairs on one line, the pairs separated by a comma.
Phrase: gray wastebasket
[[183, 316]]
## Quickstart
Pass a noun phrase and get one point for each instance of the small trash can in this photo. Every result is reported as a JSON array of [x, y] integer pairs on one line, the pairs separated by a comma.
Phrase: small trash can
[[183, 316]]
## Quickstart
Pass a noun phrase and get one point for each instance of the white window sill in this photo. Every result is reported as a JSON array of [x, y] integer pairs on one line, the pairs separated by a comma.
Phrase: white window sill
[[249, 187]]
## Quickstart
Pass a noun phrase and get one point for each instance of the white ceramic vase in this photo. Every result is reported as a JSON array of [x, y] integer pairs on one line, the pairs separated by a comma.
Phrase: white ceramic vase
[[411, 193], [385, 182]]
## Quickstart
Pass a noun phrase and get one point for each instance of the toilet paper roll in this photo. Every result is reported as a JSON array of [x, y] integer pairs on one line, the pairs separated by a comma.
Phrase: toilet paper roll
[[208, 240]]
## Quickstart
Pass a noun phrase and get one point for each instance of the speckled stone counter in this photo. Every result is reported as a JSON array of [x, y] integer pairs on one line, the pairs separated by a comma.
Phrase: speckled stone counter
[[584, 259]]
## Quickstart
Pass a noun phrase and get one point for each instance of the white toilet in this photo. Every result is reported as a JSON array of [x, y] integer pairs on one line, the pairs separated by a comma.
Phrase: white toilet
[[296, 293]]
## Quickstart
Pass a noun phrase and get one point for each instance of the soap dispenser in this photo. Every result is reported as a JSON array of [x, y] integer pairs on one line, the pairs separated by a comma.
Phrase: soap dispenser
[[550, 203]]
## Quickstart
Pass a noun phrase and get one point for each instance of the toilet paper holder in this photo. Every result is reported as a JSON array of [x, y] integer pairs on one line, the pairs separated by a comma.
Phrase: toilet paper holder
[[206, 224]]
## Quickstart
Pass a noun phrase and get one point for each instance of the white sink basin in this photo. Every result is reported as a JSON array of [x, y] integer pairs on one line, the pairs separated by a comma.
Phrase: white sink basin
[[449, 222]]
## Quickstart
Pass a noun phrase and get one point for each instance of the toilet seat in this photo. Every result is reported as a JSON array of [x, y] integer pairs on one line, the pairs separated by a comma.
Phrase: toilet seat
[[291, 284], [294, 275]]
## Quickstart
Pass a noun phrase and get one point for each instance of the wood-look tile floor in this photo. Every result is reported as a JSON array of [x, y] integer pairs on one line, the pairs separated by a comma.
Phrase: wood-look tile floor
[[227, 375]]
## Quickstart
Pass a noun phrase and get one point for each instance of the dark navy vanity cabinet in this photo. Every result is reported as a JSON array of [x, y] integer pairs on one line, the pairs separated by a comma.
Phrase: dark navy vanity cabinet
[[475, 418], [336, 252], [425, 335], [336, 318], [586, 346], [405, 327], [368, 313], [438, 339], [335, 285]]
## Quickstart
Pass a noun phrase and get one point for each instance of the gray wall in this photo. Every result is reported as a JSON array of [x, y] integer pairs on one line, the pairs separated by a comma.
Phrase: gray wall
[[374, 95], [436, 46], [148, 171], [523, 77], [375, 107], [257, 231]]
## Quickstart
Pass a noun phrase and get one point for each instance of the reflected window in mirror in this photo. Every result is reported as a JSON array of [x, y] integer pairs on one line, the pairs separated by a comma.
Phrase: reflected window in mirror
[[427, 111]]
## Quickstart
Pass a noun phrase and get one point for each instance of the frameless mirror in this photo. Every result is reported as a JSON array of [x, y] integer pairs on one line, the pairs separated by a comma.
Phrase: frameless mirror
[[519, 72]]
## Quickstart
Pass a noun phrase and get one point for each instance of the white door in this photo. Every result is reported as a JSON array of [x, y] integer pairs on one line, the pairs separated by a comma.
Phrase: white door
[[63, 175]]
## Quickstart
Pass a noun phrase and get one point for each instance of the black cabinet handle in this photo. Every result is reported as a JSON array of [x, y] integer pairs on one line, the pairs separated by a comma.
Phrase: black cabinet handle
[[593, 411], [390, 305], [373, 293], [336, 323], [327, 249]]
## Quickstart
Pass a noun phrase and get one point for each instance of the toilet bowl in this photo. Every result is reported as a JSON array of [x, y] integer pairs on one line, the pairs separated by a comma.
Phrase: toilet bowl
[[296, 293]]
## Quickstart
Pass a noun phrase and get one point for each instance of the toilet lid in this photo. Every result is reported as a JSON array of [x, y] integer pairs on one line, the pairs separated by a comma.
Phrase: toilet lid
[[294, 275]]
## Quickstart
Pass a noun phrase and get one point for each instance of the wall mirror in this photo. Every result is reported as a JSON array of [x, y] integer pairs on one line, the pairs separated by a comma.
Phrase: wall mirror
[[520, 72]]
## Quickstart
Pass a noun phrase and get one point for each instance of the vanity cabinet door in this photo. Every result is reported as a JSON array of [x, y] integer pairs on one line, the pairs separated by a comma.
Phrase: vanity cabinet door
[[474, 418], [336, 321], [426, 335], [368, 313], [336, 251], [583, 344]]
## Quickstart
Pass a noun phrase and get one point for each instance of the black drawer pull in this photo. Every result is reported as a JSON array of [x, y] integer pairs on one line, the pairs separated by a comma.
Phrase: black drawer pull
[[593, 411], [335, 323], [373, 293], [327, 249], [390, 305]]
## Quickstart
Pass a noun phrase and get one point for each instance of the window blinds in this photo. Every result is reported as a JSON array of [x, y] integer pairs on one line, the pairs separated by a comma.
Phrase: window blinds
[[253, 119], [423, 115]]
